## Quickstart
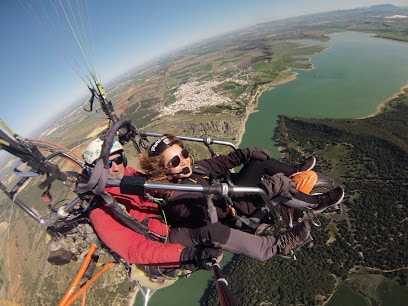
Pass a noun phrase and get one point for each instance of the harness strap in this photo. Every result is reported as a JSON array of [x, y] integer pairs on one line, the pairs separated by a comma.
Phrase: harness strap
[[214, 178], [120, 212]]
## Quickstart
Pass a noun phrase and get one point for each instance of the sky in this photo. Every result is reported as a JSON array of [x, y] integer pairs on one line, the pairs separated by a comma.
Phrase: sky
[[43, 66]]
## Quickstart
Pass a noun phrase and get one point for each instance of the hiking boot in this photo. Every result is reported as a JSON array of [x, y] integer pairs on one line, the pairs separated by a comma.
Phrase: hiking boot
[[293, 238], [308, 164], [328, 199]]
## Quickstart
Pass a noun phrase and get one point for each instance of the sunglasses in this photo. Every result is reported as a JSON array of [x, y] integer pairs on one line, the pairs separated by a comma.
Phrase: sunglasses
[[175, 161], [118, 160]]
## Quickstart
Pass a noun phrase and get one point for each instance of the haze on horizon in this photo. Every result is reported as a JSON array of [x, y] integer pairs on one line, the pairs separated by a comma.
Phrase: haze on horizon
[[39, 81]]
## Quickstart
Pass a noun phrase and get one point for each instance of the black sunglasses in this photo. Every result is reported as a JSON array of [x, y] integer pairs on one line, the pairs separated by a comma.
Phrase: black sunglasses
[[118, 160], [175, 161]]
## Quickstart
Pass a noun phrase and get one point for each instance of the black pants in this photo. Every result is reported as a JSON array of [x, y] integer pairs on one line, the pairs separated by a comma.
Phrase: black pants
[[250, 175]]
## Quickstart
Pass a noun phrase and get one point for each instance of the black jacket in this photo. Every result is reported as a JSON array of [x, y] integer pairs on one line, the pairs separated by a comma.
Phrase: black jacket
[[189, 209]]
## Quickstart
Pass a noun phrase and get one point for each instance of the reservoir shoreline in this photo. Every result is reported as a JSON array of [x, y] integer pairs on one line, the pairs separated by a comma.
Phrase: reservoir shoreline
[[383, 104], [254, 105]]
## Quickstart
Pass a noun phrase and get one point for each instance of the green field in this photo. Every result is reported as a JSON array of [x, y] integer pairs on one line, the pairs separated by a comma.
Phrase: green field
[[383, 292]]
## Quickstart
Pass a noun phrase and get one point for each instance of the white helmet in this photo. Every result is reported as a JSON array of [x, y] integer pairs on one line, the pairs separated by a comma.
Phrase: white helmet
[[93, 150]]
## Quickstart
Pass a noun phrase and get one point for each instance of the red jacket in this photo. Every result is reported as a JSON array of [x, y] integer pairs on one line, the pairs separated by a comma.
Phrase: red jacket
[[131, 246]]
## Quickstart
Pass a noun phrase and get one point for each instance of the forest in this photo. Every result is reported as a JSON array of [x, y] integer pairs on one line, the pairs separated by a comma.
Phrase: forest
[[369, 157]]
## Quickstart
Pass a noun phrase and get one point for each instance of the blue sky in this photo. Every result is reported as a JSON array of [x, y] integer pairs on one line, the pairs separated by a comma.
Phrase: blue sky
[[40, 76]]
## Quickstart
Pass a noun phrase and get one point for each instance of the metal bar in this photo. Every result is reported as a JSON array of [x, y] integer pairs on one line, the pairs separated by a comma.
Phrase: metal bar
[[221, 283], [222, 189], [62, 212], [137, 185], [206, 140], [219, 189]]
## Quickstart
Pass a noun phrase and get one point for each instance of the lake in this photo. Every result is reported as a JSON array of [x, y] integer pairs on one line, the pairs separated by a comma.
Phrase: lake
[[351, 78]]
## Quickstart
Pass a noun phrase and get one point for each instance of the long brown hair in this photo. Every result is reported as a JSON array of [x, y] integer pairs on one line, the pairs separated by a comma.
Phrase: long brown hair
[[152, 163]]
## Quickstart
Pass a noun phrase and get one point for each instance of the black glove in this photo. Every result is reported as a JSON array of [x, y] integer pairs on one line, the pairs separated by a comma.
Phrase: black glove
[[199, 258], [256, 153], [278, 184]]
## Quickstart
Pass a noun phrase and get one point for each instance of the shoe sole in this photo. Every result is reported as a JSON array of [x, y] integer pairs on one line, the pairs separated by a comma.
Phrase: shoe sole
[[331, 205], [291, 255], [307, 239], [312, 166]]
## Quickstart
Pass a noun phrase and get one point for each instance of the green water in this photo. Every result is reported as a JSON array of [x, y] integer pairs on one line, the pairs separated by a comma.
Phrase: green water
[[185, 292], [350, 80]]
